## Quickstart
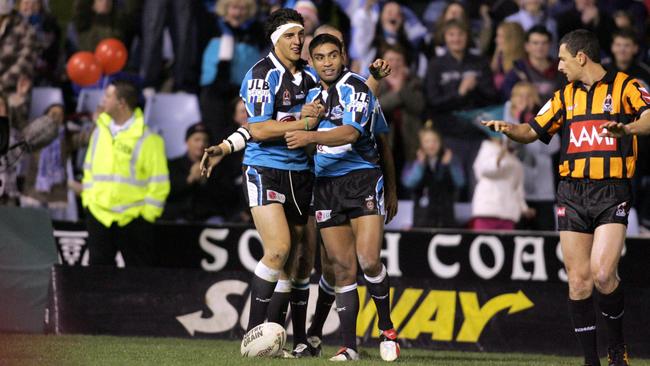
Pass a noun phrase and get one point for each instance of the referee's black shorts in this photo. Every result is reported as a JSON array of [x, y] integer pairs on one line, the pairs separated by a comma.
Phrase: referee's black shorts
[[585, 204]]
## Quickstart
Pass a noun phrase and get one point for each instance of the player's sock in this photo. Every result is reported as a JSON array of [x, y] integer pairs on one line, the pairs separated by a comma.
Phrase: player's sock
[[584, 324], [262, 286], [299, 300], [347, 305], [379, 290], [326, 297], [279, 306], [612, 308]]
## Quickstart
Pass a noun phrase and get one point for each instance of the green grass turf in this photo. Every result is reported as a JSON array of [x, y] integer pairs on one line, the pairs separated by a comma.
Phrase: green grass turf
[[25, 350]]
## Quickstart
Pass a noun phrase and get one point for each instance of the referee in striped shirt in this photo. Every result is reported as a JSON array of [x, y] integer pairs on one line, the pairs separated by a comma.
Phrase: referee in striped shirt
[[598, 115]]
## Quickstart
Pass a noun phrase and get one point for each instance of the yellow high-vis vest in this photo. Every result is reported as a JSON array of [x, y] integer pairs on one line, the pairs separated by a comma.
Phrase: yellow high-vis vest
[[125, 176]]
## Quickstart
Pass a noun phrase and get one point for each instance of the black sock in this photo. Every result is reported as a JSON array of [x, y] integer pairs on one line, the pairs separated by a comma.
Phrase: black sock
[[279, 306], [324, 303], [347, 306], [612, 308], [379, 290], [299, 301], [583, 316], [261, 292]]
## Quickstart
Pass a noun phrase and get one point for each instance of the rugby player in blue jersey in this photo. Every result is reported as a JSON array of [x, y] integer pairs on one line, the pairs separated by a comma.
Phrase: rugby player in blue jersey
[[354, 189], [302, 251]]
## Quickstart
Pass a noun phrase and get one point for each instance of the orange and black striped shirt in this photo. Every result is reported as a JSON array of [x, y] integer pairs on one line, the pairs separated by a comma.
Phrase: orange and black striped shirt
[[577, 114]]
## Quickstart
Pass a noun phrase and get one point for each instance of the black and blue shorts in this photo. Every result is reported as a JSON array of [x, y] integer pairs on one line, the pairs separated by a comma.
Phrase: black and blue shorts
[[291, 189], [339, 199]]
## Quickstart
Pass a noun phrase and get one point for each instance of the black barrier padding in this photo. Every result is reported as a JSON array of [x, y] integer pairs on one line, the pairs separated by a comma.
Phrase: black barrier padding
[[27, 252], [518, 316]]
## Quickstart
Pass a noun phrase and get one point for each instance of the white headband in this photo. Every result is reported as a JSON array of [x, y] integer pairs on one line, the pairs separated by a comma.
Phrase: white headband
[[281, 29]]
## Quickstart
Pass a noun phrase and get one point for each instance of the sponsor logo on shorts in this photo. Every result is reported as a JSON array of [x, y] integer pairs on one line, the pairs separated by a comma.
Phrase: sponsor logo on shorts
[[323, 215], [585, 136], [621, 210], [275, 196], [370, 202], [561, 211]]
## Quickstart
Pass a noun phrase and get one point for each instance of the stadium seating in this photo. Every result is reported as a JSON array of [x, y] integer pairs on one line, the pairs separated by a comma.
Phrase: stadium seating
[[43, 97], [89, 99], [171, 115]]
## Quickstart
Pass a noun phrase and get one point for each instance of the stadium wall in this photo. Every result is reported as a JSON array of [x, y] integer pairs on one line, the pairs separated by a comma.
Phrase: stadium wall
[[456, 290]]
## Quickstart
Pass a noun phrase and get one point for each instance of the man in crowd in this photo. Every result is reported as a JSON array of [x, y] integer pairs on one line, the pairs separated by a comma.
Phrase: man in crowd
[[125, 181]]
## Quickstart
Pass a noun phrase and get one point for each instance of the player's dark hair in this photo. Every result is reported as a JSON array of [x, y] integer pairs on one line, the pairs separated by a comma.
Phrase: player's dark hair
[[281, 17], [324, 38], [539, 29], [128, 91], [626, 33], [582, 40]]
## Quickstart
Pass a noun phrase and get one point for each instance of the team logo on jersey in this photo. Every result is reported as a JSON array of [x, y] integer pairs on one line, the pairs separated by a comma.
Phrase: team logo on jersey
[[607, 104], [561, 211], [621, 210], [286, 98], [358, 103], [323, 215], [275, 196], [585, 136], [258, 91], [370, 202], [336, 112]]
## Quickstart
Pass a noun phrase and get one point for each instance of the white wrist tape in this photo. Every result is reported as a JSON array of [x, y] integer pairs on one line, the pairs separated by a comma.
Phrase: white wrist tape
[[281, 29], [237, 140]]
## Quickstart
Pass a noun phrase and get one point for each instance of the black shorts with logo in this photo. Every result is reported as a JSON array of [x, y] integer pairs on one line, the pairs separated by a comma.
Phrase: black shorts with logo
[[292, 189], [339, 199], [583, 205]]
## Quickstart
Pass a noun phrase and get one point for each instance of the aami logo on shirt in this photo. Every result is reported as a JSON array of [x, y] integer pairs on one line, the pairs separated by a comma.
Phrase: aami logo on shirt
[[585, 137]]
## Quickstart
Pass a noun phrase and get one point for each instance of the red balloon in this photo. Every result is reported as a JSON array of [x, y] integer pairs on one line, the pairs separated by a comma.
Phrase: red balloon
[[83, 68], [112, 55]]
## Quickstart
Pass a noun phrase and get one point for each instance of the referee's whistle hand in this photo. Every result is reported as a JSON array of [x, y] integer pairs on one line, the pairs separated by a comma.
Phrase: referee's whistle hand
[[613, 129]]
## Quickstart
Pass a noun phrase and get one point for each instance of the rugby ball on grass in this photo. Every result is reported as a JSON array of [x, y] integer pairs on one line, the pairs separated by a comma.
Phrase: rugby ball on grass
[[265, 340]]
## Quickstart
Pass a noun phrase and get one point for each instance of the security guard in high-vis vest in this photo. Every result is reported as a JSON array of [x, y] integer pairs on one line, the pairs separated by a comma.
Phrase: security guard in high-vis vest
[[125, 181], [597, 115]]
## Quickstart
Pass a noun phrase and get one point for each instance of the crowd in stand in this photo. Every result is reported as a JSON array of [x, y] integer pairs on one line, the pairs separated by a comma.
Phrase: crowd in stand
[[453, 63]]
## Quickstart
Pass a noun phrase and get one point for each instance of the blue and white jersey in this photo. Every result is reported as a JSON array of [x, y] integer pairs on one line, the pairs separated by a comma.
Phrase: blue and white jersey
[[271, 92], [349, 101]]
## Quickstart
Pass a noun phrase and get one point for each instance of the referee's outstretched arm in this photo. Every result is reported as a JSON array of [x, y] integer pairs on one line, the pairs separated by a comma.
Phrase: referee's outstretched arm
[[520, 132]]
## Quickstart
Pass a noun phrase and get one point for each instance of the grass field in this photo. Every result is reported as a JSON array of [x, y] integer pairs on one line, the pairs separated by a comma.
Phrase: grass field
[[26, 350]]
